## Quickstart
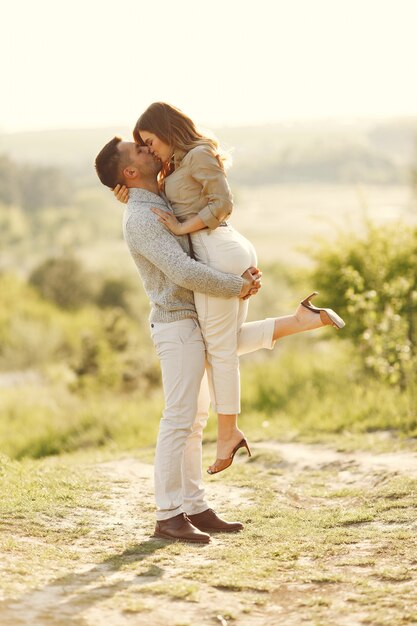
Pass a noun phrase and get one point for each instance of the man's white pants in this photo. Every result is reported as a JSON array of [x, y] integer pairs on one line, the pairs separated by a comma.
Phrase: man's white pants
[[178, 457]]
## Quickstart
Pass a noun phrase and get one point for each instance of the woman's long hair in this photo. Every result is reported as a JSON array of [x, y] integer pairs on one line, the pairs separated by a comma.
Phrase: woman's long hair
[[177, 130]]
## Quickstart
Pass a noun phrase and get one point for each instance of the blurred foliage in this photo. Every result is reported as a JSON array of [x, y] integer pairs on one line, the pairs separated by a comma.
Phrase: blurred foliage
[[84, 332], [371, 280], [413, 174], [46, 420], [114, 292], [83, 349], [33, 187], [91, 218], [322, 159], [318, 387], [63, 281], [328, 151], [14, 226]]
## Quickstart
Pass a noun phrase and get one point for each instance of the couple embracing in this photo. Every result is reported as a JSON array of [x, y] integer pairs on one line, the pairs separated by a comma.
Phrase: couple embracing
[[199, 274]]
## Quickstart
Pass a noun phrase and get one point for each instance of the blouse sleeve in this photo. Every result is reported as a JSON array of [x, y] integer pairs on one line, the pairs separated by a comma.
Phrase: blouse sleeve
[[206, 170]]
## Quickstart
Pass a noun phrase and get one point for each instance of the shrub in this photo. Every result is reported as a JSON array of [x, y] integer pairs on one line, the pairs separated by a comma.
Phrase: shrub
[[371, 280], [63, 281], [113, 293]]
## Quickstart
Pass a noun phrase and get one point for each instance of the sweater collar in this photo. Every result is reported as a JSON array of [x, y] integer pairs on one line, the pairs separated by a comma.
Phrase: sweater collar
[[143, 195]]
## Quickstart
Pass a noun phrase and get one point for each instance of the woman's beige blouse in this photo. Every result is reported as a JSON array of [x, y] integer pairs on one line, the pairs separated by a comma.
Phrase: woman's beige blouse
[[199, 186]]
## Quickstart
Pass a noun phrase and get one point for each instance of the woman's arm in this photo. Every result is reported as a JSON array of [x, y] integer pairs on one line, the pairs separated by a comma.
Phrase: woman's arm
[[206, 170], [178, 228]]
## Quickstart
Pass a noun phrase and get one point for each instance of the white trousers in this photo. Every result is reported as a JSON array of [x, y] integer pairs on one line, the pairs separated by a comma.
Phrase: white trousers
[[220, 319], [178, 457]]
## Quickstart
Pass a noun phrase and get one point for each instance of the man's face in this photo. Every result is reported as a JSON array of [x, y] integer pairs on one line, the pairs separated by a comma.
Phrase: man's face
[[138, 159]]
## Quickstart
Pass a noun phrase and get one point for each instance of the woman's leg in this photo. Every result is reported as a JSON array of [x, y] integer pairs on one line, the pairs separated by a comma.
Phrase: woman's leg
[[260, 334], [228, 432], [220, 320], [254, 336]]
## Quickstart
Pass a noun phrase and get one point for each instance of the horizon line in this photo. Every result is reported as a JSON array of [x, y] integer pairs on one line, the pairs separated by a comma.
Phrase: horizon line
[[341, 119]]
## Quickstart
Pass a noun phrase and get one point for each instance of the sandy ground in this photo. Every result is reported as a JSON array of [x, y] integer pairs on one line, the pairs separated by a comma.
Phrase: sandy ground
[[84, 594]]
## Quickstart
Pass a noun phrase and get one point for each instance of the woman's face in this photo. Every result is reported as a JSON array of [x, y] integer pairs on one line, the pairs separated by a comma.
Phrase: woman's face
[[158, 147]]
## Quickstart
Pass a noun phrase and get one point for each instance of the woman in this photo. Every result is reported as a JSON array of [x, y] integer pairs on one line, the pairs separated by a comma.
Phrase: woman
[[193, 179]]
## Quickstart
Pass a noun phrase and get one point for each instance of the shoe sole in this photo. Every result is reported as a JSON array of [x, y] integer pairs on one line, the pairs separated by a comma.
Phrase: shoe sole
[[221, 530], [335, 319], [171, 538]]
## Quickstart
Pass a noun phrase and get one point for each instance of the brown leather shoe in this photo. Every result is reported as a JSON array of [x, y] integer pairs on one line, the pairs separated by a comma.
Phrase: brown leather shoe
[[208, 520], [180, 527]]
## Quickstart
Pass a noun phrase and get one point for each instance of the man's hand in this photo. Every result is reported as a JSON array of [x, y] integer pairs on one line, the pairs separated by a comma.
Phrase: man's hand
[[122, 193], [251, 283]]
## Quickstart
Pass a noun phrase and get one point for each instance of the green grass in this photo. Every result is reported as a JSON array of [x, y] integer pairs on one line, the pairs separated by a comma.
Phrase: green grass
[[307, 391], [45, 508], [313, 390], [51, 420], [338, 550]]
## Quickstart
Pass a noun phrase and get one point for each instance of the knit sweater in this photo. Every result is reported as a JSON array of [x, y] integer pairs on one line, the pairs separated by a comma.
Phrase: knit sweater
[[168, 273]]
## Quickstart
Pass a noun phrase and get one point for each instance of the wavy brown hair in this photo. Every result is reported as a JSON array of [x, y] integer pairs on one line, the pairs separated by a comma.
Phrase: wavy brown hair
[[177, 130]]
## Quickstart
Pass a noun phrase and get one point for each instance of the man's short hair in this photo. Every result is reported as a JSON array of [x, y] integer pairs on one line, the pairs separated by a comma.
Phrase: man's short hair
[[109, 164]]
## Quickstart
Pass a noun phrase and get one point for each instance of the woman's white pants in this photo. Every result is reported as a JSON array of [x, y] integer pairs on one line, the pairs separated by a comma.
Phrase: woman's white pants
[[225, 250]]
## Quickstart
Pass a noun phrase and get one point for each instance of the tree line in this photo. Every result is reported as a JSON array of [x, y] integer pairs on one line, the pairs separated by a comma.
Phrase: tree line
[[33, 187]]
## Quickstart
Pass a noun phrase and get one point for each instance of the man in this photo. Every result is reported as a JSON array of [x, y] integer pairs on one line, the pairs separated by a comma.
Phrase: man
[[169, 277]]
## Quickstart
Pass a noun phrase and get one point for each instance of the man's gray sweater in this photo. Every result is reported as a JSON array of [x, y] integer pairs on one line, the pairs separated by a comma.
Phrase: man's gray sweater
[[168, 273]]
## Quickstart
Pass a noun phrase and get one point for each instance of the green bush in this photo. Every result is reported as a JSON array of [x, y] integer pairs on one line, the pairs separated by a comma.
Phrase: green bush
[[313, 388], [63, 281], [113, 293], [114, 355], [371, 280], [87, 348]]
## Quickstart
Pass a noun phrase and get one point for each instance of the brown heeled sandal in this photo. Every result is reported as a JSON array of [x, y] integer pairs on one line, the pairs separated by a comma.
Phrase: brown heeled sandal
[[327, 316], [242, 444]]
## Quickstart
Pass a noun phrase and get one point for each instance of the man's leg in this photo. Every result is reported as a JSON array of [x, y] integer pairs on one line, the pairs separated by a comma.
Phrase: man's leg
[[181, 351], [193, 489]]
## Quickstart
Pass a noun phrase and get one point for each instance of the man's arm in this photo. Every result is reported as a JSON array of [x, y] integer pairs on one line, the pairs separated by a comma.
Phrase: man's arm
[[147, 237]]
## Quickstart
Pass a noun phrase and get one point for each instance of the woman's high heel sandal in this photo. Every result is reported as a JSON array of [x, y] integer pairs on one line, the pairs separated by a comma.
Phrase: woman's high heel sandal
[[327, 316], [242, 444]]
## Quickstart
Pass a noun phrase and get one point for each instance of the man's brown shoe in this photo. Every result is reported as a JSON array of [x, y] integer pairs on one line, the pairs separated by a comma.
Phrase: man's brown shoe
[[208, 520], [180, 527]]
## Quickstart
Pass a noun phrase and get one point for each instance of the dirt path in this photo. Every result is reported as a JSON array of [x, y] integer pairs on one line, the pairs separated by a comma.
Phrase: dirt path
[[141, 580], [298, 455]]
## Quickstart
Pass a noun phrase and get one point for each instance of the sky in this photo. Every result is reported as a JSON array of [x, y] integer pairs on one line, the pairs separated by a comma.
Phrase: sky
[[95, 63]]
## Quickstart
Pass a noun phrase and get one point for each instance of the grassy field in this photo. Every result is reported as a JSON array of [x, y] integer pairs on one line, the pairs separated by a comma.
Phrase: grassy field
[[327, 499], [328, 539], [284, 221], [281, 220], [308, 389]]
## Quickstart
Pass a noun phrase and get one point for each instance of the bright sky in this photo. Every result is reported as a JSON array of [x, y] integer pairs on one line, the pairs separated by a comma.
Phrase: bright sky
[[90, 63]]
